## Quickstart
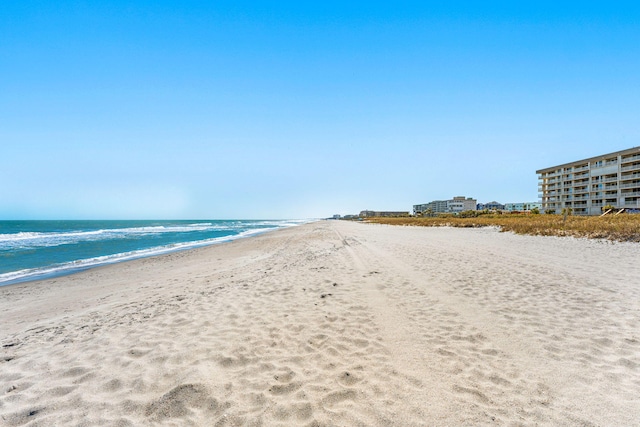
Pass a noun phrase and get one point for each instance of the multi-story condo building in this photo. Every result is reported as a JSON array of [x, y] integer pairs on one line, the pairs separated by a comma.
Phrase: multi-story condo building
[[588, 185], [455, 205]]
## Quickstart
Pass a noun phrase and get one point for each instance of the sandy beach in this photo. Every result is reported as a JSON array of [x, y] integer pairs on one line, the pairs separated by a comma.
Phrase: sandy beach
[[333, 323]]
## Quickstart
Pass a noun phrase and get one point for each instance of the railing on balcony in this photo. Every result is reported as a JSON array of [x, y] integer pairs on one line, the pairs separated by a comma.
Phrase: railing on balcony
[[630, 176], [630, 185], [631, 158], [635, 167], [598, 179], [632, 194]]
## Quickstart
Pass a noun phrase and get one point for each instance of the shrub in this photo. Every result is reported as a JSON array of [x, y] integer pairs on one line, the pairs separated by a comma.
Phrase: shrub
[[468, 214], [620, 228]]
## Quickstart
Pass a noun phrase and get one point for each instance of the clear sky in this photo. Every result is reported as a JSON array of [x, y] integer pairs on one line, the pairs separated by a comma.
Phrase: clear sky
[[212, 109]]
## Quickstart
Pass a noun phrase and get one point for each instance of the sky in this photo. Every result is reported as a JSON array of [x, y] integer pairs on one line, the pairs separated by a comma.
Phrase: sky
[[295, 109]]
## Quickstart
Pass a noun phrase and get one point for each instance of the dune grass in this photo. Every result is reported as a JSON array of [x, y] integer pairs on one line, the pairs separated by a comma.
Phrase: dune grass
[[622, 228]]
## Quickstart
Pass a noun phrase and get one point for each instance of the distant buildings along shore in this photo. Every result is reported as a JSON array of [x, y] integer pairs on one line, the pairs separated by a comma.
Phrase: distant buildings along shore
[[462, 204], [585, 187]]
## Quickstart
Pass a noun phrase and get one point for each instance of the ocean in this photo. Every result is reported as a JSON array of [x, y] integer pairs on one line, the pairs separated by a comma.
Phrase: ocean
[[33, 250]]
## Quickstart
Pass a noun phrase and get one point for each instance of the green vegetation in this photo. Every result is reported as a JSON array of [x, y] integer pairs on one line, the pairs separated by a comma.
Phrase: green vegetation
[[623, 228]]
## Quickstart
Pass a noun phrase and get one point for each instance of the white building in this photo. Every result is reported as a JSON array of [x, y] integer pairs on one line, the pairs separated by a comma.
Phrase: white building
[[456, 205], [587, 186], [522, 207]]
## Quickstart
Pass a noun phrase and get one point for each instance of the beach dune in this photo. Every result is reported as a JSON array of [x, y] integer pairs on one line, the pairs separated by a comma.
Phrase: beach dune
[[333, 323]]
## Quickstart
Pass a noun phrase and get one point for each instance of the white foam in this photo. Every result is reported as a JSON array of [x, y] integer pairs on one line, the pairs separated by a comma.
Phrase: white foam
[[83, 264], [35, 239]]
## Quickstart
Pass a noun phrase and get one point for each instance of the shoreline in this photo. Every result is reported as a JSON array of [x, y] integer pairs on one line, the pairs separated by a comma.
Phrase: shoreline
[[77, 266], [333, 323]]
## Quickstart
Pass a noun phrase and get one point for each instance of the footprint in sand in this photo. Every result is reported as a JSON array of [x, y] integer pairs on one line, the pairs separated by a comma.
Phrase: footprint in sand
[[338, 397], [282, 389], [179, 401], [348, 379]]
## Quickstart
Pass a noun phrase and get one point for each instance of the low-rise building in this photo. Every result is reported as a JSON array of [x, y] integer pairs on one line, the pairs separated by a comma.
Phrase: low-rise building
[[522, 207], [365, 214], [492, 206]]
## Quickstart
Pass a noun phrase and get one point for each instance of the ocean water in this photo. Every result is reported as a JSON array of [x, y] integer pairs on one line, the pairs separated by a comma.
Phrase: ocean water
[[32, 250]]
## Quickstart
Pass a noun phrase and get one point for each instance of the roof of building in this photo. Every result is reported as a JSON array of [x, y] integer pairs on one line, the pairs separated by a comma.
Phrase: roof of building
[[591, 159]]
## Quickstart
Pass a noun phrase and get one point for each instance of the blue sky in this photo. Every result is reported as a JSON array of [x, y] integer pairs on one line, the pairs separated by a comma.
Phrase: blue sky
[[197, 109]]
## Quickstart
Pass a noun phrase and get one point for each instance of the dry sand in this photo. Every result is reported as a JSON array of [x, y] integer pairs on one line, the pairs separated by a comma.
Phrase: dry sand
[[333, 323]]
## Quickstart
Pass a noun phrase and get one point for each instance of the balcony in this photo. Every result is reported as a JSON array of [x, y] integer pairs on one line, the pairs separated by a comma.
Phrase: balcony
[[631, 159], [632, 194], [581, 168], [630, 185], [635, 167], [630, 176]]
